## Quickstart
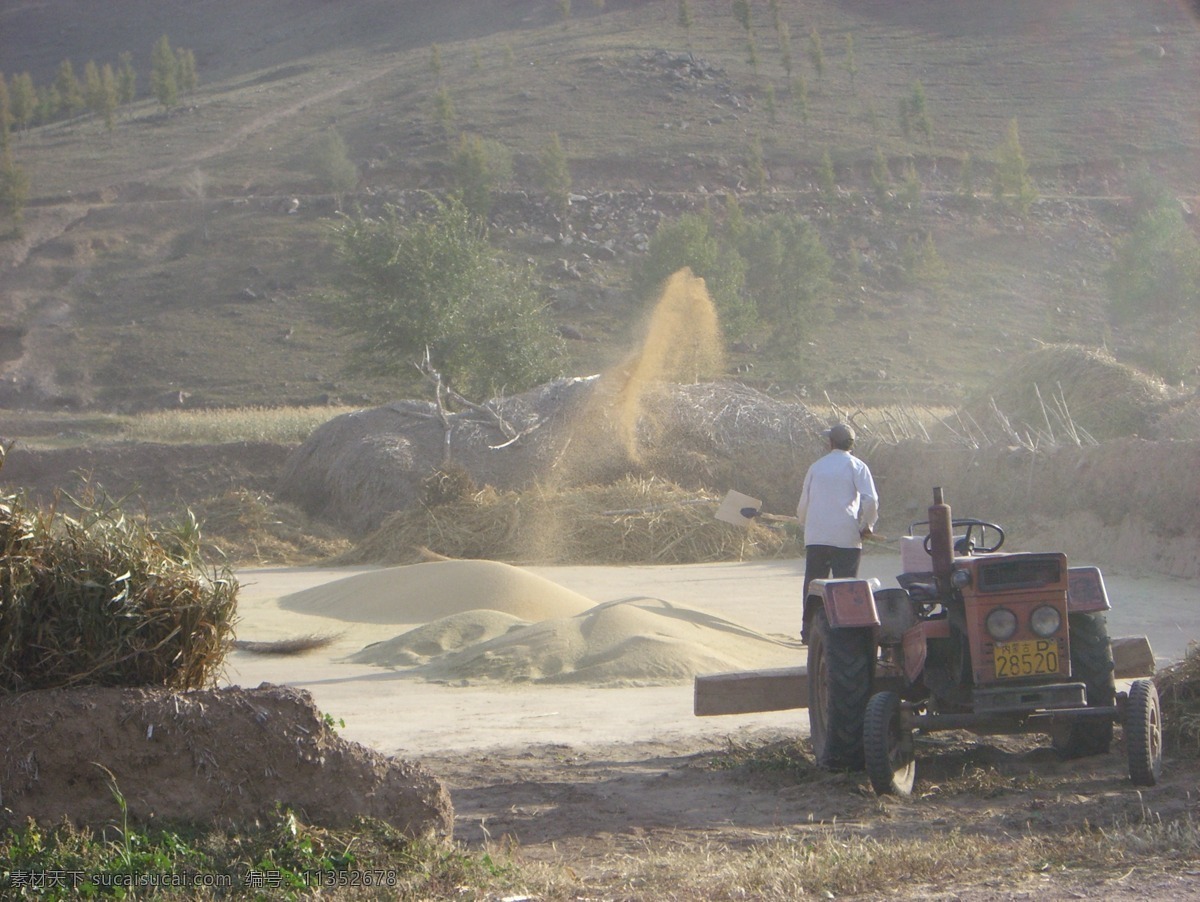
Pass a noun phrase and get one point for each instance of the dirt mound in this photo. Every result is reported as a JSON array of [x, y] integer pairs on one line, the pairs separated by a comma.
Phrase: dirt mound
[[1058, 389], [222, 756]]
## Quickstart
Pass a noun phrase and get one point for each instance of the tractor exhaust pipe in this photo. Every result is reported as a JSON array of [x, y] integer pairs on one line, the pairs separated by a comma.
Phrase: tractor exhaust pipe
[[941, 540]]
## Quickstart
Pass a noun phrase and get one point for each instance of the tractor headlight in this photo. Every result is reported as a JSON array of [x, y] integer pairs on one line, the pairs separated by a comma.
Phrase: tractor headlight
[[960, 579], [1001, 624], [1045, 621]]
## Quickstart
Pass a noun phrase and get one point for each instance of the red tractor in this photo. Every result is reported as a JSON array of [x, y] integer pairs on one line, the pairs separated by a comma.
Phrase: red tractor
[[974, 639]]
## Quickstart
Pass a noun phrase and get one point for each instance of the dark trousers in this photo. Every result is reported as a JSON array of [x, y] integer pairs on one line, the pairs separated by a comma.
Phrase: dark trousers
[[823, 561]]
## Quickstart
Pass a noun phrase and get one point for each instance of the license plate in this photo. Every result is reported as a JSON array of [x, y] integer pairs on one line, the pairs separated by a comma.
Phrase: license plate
[[1029, 657]]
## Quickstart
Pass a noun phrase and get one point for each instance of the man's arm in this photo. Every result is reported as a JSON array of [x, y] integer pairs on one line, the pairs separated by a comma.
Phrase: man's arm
[[802, 507], [868, 514]]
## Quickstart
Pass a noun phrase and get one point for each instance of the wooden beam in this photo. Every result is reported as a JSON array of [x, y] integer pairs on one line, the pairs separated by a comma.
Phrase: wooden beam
[[748, 691]]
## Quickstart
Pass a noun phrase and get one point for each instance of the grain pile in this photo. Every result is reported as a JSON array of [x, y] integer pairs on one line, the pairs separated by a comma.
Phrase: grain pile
[[472, 621]]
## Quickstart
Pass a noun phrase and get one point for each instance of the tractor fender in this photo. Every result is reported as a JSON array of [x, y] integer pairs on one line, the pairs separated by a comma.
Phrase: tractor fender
[[848, 602], [1085, 590]]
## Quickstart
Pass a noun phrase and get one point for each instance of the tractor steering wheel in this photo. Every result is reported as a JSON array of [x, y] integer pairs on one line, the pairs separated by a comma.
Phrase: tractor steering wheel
[[965, 545]]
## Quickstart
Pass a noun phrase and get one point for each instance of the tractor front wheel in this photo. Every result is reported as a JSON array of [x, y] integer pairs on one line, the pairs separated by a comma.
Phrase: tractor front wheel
[[888, 746], [841, 667], [1143, 733], [1092, 664]]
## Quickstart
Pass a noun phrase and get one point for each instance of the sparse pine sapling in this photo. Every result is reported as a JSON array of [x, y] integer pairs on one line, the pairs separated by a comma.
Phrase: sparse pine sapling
[[23, 100], [816, 53], [70, 92], [126, 78], [1011, 183], [554, 174], [164, 74]]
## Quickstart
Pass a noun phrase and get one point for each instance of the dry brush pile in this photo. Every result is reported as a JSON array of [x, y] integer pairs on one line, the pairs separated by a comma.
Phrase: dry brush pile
[[97, 598]]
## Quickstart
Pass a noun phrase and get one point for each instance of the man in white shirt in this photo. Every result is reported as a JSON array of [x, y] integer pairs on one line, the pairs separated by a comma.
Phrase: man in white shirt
[[838, 509]]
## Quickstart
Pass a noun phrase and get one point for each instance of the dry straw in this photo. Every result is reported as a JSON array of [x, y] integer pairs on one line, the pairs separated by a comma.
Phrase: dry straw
[[99, 599], [1179, 687], [630, 521]]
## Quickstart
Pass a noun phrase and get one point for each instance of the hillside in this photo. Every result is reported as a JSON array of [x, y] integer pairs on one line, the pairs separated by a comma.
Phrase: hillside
[[159, 264]]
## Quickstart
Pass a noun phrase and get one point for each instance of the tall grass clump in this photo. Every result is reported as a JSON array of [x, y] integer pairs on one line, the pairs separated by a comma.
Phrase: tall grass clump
[[98, 598]]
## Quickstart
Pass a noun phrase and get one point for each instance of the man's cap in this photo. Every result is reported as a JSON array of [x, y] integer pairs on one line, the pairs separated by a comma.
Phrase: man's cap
[[839, 434]]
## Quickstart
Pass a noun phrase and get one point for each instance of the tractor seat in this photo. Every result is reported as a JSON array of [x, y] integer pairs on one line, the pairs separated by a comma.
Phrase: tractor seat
[[919, 586]]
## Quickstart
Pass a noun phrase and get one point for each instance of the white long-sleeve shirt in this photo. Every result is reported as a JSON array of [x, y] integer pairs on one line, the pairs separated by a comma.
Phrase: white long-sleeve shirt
[[838, 501]]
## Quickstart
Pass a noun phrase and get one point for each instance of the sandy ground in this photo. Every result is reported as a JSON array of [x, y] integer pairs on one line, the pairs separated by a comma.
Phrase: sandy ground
[[401, 715]]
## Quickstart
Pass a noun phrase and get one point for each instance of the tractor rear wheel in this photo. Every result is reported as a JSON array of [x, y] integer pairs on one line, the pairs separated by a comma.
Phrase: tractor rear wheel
[[1092, 664], [1143, 733], [841, 667], [888, 746]]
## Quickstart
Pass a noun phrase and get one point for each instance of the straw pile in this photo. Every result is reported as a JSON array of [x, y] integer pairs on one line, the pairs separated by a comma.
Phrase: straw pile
[[1070, 394], [1179, 688], [101, 600], [630, 521]]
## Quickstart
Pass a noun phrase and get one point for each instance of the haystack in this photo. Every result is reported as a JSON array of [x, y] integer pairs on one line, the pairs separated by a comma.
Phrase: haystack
[[360, 468], [1060, 391], [630, 521]]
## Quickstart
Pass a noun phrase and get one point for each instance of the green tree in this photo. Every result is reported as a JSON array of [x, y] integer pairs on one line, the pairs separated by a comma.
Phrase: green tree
[[966, 184], [70, 92], [914, 114], [756, 167], [1011, 182], [14, 189], [911, 188], [24, 100], [1156, 272], [785, 49], [741, 12], [185, 70], [110, 96], [164, 74], [800, 94], [881, 179], [433, 285], [816, 53], [691, 240], [554, 174], [435, 61], [330, 162], [478, 168], [827, 178], [1154, 284], [787, 272], [126, 78], [684, 19], [101, 92], [443, 108]]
